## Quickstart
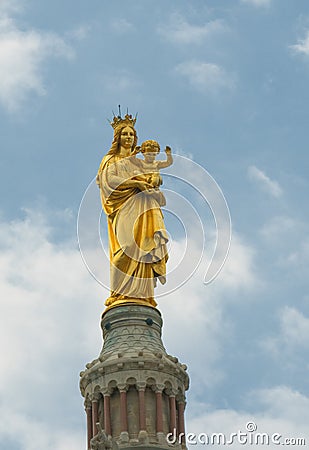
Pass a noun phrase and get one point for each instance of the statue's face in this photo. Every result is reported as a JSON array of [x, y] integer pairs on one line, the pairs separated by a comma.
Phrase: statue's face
[[127, 138]]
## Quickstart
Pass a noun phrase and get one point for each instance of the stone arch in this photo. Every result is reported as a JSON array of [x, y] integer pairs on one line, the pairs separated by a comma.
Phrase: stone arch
[[97, 390], [168, 387], [131, 381], [150, 382], [112, 385]]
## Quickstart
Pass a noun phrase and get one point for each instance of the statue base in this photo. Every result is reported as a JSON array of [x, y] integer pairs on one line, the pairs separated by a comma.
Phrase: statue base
[[112, 301]]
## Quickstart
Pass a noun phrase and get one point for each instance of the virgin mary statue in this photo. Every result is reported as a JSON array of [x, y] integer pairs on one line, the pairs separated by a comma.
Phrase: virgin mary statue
[[136, 231]]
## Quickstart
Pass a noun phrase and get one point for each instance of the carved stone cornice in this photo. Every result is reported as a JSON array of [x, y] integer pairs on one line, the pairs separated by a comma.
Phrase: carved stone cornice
[[106, 392], [87, 403], [141, 385], [123, 387], [158, 388], [96, 397]]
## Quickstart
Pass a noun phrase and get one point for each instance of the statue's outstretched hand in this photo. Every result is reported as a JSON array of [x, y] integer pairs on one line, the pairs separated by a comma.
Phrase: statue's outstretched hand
[[168, 150]]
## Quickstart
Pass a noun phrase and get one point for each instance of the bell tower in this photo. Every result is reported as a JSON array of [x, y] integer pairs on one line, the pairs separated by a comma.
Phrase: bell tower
[[134, 391]]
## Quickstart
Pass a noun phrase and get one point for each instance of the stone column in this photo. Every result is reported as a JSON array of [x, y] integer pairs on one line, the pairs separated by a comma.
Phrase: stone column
[[142, 435], [95, 415], [88, 409], [107, 412], [141, 400], [159, 412], [173, 421], [124, 435], [181, 421]]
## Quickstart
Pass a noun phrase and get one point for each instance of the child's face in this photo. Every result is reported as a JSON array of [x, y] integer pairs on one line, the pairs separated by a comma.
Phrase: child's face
[[150, 151], [150, 156]]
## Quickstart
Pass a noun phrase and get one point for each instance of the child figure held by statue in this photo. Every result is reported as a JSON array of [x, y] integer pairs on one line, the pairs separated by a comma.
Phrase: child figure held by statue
[[150, 167]]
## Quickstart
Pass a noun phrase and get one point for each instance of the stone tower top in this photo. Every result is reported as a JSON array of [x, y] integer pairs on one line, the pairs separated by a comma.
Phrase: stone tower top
[[134, 390]]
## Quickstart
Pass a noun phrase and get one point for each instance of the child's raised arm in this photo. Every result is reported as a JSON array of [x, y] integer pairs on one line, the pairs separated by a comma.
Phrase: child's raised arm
[[169, 159]]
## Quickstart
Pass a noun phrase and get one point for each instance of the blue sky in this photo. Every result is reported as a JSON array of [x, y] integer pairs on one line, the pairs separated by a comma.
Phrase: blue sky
[[222, 82]]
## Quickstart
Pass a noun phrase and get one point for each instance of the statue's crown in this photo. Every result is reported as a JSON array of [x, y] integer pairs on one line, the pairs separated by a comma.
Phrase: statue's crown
[[128, 120]]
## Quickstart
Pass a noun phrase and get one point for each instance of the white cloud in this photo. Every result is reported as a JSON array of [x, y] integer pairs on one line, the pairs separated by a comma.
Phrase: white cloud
[[277, 398], [279, 226], [45, 291], [280, 410], [30, 434], [80, 32], [239, 271], [8, 6], [288, 239], [121, 26], [179, 31], [299, 257], [270, 186], [206, 77], [120, 80], [302, 46], [22, 55], [200, 309], [294, 327], [258, 2], [293, 335]]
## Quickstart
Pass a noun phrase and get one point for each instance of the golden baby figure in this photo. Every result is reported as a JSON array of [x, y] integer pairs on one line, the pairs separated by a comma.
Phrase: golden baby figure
[[150, 167]]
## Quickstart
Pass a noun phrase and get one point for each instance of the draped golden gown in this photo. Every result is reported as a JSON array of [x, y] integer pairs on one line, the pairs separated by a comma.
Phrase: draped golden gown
[[137, 235]]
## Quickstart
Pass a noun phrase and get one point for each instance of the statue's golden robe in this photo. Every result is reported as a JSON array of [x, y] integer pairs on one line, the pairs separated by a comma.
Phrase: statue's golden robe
[[137, 235]]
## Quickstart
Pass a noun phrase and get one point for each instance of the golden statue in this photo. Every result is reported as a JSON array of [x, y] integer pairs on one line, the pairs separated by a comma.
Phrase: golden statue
[[131, 199]]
